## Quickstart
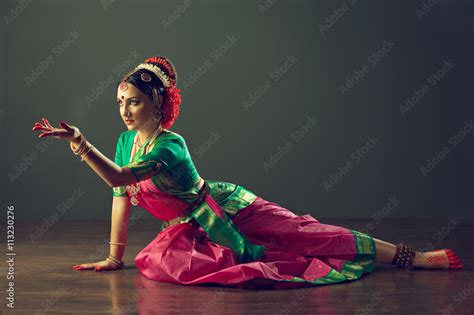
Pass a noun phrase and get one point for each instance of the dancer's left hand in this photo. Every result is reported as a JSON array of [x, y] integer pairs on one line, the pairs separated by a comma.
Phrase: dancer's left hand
[[102, 265]]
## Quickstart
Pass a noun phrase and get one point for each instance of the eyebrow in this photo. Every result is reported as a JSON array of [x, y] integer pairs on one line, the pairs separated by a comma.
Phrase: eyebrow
[[118, 99]]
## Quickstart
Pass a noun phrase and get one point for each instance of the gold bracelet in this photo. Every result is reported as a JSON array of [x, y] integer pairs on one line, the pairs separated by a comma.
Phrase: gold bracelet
[[80, 147], [85, 153], [116, 261], [116, 243]]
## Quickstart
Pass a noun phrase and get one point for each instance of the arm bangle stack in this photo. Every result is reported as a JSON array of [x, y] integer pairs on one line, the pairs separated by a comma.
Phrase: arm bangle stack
[[83, 148]]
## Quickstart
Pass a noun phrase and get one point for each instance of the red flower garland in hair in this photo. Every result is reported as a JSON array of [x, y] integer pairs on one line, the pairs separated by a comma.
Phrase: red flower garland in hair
[[163, 62], [172, 101], [170, 107]]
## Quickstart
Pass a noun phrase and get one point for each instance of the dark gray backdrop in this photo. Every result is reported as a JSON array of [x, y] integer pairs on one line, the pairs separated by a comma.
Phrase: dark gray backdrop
[[253, 75]]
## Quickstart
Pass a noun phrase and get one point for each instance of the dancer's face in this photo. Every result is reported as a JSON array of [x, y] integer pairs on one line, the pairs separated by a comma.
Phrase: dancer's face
[[136, 108]]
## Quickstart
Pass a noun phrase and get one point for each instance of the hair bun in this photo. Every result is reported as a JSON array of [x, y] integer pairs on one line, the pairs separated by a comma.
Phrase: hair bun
[[166, 65]]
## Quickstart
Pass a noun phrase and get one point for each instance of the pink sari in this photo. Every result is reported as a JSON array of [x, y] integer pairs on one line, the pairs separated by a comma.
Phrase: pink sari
[[299, 251]]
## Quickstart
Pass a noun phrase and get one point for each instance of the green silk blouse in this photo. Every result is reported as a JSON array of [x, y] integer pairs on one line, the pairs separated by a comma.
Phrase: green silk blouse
[[177, 175]]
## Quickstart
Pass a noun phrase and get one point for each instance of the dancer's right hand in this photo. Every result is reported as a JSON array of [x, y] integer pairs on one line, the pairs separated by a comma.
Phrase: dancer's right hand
[[67, 132], [97, 266]]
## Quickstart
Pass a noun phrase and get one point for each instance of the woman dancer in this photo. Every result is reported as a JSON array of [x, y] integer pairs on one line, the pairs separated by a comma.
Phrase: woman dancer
[[214, 231]]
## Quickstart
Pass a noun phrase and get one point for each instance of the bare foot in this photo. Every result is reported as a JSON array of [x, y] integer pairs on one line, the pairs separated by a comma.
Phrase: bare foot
[[437, 259]]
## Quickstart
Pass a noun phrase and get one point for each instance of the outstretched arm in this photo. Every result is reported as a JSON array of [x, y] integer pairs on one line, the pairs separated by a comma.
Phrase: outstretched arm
[[110, 172], [113, 174]]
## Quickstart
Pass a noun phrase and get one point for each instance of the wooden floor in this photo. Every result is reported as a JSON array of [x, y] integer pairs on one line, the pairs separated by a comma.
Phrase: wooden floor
[[46, 284]]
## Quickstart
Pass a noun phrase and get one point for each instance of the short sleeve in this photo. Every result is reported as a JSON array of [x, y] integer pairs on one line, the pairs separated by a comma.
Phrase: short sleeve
[[119, 191], [164, 156]]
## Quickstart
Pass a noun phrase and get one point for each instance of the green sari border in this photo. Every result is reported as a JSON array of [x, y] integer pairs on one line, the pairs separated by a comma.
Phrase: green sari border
[[366, 252]]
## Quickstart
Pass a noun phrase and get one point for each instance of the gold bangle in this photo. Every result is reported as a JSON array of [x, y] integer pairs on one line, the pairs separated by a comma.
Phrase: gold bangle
[[80, 146], [83, 148], [117, 243], [114, 259], [114, 262], [85, 153]]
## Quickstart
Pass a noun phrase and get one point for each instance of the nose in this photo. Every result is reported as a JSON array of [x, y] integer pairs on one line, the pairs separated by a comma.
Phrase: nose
[[125, 112]]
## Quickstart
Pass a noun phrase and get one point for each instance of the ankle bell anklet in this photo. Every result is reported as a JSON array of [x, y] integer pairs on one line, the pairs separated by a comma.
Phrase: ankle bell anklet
[[404, 256]]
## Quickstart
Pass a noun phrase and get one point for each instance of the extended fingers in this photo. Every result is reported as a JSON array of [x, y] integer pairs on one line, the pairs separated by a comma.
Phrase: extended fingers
[[82, 266], [47, 124], [39, 127], [88, 266]]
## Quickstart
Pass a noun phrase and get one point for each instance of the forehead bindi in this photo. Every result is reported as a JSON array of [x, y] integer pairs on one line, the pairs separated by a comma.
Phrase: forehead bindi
[[130, 93], [123, 90]]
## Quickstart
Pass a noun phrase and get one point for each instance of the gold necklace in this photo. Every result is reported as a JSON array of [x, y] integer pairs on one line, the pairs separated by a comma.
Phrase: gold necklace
[[135, 188], [154, 134]]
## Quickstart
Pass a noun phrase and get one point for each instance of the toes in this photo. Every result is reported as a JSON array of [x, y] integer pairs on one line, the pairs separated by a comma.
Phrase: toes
[[454, 261]]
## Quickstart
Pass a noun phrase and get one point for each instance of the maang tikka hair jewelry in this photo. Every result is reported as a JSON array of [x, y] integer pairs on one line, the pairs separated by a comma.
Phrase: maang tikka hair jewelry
[[146, 77]]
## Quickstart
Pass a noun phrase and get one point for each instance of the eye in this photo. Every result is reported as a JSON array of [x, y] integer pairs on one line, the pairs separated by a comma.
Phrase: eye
[[134, 102]]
